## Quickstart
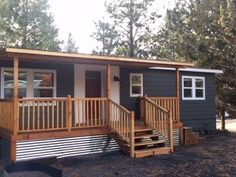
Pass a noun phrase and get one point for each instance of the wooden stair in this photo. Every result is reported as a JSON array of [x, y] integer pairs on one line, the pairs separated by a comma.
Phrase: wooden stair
[[147, 143]]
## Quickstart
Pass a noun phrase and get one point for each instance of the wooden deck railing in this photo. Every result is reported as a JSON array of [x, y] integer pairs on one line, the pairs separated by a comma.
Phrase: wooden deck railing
[[122, 121], [169, 103], [89, 112], [72, 113], [61, 113], [7, 115], [158, 118], [42, 114]]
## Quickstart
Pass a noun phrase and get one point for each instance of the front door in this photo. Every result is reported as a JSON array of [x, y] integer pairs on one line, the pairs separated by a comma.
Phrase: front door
[[92, 90], [92, 84]]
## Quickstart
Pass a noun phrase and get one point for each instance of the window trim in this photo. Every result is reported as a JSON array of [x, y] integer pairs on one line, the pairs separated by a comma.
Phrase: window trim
[[131, 85], [30, 79], [193, 88]]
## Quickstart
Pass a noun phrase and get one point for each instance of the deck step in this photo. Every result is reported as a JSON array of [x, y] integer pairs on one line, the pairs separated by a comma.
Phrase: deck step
[[149, 143], [151, 152], [146, 136], [143, 130]]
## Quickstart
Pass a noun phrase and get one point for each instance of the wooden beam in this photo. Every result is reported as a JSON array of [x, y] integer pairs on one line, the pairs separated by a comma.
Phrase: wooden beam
[[15, 95], [13, 150], [131, 141], [80, 132], [16, 108]]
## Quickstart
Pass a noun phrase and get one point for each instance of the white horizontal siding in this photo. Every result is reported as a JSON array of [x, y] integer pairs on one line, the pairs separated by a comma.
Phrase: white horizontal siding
[[64, 147]]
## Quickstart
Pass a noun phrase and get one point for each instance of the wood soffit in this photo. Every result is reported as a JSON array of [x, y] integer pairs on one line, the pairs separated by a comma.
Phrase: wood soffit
[[61, 57]]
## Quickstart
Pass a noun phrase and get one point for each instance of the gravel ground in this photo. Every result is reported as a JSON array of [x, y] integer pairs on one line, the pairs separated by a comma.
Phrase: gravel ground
[[216, 157]]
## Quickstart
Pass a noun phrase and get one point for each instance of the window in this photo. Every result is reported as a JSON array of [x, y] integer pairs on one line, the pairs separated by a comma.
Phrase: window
[[193, 88], [8, 84], [32, 83], [136, 84], [43, 84]]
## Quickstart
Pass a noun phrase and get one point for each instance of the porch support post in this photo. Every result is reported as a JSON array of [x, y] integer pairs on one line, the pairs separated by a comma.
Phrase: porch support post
[[109, 93], [109, 80], [178, 94], [16, 108], [15, 94]]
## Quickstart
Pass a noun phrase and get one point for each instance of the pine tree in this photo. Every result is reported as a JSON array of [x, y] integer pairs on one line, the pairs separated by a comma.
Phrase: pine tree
[[132, 24], [27, 24], [106, 35], [204, 32], [70, 45]]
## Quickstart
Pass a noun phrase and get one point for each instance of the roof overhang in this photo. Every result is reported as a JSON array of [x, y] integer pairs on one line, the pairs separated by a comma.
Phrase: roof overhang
[[48, 56], [189, 69]]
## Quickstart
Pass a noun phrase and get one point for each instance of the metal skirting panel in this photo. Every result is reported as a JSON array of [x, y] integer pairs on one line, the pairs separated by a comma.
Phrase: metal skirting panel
[[65, 147], [176, 137]]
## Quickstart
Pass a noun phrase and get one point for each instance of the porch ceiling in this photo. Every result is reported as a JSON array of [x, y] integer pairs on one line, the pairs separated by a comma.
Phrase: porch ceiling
[[57, 57]]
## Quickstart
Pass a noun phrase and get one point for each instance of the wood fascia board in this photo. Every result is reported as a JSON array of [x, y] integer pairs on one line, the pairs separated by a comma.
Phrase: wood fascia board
[[46, 55], [63, 134]]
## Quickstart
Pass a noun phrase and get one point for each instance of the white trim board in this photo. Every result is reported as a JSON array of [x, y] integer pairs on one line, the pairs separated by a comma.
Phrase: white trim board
[[199, 70]]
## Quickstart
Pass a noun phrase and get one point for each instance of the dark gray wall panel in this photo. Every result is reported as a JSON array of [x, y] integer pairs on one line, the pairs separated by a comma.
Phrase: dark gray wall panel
[[196, 114], [65, 74], [156, 83], [200, 114]]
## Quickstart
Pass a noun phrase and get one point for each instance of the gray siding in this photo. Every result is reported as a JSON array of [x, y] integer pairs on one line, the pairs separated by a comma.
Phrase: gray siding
[[156, 83], [200, 114], [197, 114], [65, 74]]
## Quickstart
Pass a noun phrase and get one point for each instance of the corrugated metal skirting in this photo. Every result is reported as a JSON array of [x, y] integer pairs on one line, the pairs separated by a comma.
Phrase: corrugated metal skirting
[[176, 137], [65, 147]]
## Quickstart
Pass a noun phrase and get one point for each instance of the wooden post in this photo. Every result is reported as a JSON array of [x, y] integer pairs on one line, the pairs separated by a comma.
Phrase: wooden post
[[171, 132], [109, 81], [69, 112], [144, 108], [16, 107], [13, 149], [109, 93], [178, 94], [15, 95], [132, 134]]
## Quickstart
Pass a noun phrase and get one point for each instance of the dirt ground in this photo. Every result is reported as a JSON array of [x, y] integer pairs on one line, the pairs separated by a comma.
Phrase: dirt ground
[[215, 157]]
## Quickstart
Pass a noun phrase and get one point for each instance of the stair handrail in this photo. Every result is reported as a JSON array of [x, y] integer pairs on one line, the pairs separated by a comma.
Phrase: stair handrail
[[158, 118], [121, 121]]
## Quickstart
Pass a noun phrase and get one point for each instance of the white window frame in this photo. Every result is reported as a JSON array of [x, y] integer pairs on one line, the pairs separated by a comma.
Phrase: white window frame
[[193, 88], [131, 84], [30, 80]]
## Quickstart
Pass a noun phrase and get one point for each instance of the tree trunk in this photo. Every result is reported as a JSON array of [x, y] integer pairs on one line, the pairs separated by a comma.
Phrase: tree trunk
[[223, 118], [131, 37]]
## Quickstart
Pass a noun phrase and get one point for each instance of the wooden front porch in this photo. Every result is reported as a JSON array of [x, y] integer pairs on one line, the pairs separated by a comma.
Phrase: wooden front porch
[[50, 118]]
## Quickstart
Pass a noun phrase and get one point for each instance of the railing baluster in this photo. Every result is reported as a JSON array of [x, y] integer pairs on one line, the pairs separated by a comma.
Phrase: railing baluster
[[23, 115], [28, 116]]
